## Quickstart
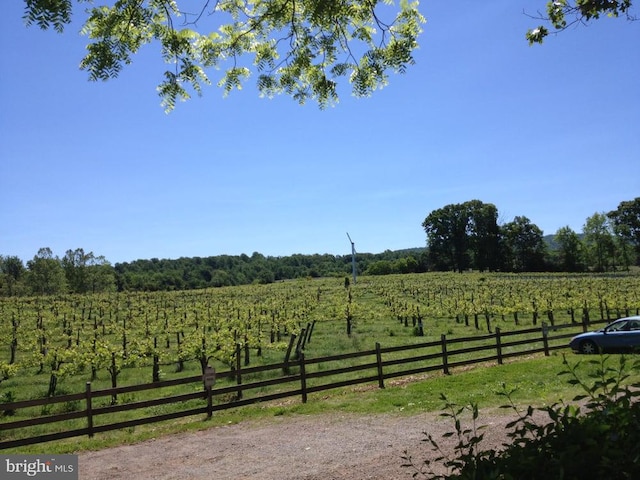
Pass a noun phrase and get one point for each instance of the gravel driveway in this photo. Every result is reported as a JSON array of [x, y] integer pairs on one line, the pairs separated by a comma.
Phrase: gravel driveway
[[329, 446]]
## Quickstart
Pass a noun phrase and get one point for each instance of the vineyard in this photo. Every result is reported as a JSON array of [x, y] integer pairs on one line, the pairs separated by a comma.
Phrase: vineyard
[[54, 345]]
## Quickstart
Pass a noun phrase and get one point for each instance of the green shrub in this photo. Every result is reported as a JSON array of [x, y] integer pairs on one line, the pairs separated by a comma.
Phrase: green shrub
[[598, 437]]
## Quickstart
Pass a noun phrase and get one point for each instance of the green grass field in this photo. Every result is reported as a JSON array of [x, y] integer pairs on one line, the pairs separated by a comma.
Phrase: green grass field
[[536, 382]]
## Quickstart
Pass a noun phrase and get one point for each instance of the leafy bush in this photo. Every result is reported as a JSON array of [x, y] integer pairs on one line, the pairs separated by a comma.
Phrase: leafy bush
[[596, 437]]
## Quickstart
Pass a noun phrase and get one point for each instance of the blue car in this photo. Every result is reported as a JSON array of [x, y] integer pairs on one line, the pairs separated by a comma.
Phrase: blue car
[[622, 335]]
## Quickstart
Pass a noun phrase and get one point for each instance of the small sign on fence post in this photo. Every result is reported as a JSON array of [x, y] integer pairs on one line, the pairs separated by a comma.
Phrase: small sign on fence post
[[545, 338], [209, 377]]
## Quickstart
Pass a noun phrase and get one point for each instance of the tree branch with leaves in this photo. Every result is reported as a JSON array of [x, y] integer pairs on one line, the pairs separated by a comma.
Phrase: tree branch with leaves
[[563, 14], [297, 47]]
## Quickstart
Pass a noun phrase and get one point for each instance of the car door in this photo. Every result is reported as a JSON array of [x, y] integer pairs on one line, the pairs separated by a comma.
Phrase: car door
[[621, 336], [615, 337], [632, 337]]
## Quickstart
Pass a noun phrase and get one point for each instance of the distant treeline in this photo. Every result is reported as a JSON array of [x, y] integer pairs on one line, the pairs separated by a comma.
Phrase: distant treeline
[[227, 270], [80, 272], [460, 237]]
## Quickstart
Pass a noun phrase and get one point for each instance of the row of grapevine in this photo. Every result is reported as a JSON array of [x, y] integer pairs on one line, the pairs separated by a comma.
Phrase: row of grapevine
[[68, 335], [73, 335], [521, 298]]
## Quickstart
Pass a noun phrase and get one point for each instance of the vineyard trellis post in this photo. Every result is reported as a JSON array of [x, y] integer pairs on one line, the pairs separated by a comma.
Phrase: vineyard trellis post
[[287, 356], [299, 347], [585, 316], [585, 320], [306, 336], [313, 324]]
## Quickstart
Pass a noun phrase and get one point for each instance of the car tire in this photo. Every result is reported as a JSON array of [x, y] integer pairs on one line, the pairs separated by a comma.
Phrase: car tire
[[588, 347]]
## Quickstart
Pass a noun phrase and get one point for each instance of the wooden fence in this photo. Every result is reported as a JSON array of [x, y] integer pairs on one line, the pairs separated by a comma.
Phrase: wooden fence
[[300, 378]]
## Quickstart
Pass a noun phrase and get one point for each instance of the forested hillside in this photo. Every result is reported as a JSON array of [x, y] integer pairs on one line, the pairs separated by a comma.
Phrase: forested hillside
[[223, 270]]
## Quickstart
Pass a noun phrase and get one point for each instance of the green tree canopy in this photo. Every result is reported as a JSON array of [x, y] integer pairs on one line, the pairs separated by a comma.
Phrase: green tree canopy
[[524, 245], [87, 273], [11, 273], [46, 276], [462, 236], [297, 47], [598, 240], [626, 223], [570, 250]]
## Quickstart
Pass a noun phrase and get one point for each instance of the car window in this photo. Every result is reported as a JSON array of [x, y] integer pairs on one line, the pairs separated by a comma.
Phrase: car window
[[634, 325], [618, 327]]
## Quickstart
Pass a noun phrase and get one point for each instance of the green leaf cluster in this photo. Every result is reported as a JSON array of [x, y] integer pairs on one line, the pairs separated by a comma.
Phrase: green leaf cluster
[[564, 13], [48, 13], [298, 47]]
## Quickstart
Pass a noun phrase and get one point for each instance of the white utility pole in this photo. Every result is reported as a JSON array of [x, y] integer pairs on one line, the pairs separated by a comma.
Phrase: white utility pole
[[353, 258]]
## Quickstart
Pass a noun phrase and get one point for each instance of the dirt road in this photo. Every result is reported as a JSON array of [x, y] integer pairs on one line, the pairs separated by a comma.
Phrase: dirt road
[[330, 446]]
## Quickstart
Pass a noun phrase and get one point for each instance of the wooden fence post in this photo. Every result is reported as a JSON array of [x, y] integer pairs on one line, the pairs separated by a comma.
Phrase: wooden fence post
[[89, 410], [379, 362], [209, 402], [445, 359], [303, 378], [499, 345], [287, 356], [545, 338], [238, 373], [305, 337], [313, 324], [303, 333], [209, 380]]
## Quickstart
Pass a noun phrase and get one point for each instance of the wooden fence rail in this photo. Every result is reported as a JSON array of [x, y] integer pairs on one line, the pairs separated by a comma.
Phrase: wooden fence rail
[[376, 365]]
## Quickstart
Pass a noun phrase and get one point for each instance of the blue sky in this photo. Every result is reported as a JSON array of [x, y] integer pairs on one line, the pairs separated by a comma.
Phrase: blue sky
[[550, 132]]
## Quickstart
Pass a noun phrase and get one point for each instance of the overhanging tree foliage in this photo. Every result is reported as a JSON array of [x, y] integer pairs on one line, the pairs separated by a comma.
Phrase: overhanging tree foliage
[[562, 14], [297, 47]]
